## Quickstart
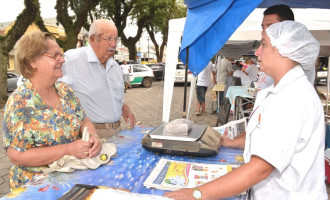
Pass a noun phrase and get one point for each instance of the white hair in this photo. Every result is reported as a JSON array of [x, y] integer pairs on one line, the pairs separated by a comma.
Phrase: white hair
[[97, 26]]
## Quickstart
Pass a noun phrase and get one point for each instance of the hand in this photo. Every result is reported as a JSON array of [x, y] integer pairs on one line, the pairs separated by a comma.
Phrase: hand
[[96, 145], [182, 194], [78, 149], [226, 141], [127, 114]]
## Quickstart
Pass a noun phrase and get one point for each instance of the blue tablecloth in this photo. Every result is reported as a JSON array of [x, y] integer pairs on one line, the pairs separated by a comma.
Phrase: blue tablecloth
[[128, 170], [233, 92]]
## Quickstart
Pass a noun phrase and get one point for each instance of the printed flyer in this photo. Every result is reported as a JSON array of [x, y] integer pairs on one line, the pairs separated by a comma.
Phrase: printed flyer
[[173, 175]]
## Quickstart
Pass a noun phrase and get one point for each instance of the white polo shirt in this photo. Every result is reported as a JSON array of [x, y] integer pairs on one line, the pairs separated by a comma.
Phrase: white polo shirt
[[289, 136]]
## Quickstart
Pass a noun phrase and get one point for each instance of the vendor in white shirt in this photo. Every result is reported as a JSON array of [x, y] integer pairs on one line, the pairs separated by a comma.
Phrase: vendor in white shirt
[[284, 144], [241, 73]]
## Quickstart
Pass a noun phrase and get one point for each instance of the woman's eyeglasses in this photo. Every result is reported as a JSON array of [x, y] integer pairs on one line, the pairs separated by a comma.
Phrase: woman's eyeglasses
[[57, 56]]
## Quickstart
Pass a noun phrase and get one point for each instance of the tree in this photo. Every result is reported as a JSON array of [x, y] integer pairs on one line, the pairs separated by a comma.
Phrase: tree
[[119, 11], [164, 11], [73, 24], [137, 11], [7, 42]]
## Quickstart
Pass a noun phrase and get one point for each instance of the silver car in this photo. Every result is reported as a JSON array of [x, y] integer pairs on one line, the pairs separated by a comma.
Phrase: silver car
[[12, 79]]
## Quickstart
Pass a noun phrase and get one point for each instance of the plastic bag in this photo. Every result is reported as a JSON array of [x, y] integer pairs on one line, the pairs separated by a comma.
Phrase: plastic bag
[[178, 127]]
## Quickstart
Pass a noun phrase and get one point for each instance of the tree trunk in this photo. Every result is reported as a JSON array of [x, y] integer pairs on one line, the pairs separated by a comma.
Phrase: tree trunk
[[132, 51], [23, 21], [3, 79]]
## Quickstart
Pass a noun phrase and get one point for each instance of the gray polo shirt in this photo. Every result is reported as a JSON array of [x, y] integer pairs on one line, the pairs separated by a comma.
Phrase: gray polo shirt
[[100, 90]]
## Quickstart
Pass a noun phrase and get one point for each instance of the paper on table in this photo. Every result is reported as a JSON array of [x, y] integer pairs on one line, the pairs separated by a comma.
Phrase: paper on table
[[232, 129], [173, 175]]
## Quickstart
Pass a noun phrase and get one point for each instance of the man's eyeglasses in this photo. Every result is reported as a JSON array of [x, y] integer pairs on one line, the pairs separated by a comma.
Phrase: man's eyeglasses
[[57, 56], [109, 39]]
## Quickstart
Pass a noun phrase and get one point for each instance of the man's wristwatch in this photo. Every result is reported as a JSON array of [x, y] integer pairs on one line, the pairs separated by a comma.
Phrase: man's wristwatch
[[197, 194]]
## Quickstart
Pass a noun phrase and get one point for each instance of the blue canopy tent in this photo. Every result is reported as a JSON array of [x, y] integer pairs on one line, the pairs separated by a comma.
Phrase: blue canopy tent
[[210, 23], [208, 26]]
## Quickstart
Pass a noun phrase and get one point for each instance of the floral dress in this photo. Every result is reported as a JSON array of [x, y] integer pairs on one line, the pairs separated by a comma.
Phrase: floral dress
[[29, 122]]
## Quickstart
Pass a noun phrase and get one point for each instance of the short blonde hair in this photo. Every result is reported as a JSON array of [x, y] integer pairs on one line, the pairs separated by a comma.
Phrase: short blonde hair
[[28, 48]]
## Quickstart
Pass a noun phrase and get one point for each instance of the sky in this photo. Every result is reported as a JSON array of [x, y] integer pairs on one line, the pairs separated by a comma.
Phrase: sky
[[10, 9]]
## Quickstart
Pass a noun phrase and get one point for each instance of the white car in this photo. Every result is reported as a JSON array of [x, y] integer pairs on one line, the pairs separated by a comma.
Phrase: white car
[[322, 74], [141, 75], [180, 74]]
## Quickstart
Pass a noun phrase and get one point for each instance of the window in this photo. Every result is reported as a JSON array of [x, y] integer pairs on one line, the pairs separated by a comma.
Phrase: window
[[139, 68]]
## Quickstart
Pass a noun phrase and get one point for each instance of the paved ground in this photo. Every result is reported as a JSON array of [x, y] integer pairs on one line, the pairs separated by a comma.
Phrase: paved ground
[[146, 104]]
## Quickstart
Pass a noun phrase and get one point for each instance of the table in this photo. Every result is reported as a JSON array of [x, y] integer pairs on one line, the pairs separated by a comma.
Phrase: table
[[128, 170], [239, 97]]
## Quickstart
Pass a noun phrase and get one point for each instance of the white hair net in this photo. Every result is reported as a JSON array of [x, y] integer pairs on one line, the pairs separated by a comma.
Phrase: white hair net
[[294, 41]]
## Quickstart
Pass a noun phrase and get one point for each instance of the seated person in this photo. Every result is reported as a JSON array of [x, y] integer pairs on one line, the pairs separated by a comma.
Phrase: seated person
[[252, 69], [42, 117], [245, 79], [284, 141]]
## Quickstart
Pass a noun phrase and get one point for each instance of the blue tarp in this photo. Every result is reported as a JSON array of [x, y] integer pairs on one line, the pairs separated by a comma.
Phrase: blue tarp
[[208, 27], [325, 4], [210, 23]]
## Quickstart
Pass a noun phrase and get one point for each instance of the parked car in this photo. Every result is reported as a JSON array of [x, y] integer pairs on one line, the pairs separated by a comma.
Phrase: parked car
[[322, 74], [141, 75], [180, 74], [128, 62], [12, 79], [158, 70]]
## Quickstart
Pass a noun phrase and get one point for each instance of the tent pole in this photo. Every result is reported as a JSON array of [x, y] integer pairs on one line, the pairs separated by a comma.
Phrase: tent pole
[[185, 84]]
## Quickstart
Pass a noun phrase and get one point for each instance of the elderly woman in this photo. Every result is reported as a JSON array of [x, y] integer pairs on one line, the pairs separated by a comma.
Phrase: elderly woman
[[284, 145], [43, 118]]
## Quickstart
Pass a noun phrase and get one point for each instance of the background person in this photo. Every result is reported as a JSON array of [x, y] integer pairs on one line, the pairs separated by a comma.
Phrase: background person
[[203, 81], [126, 70], [42, 117], [241, 73], [284, 157], [252, 69], [97, 79], [225, 70]]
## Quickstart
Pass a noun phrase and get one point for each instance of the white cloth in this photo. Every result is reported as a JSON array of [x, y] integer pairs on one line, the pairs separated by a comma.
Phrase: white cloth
[[290, 136], [293, 40], [204, 76], [245, 79], [253, 71], [224, 69], [125, 69], [70, 163], [100, 90]]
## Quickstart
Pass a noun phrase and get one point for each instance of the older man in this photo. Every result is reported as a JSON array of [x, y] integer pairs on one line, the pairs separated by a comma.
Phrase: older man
[[97, 79]]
